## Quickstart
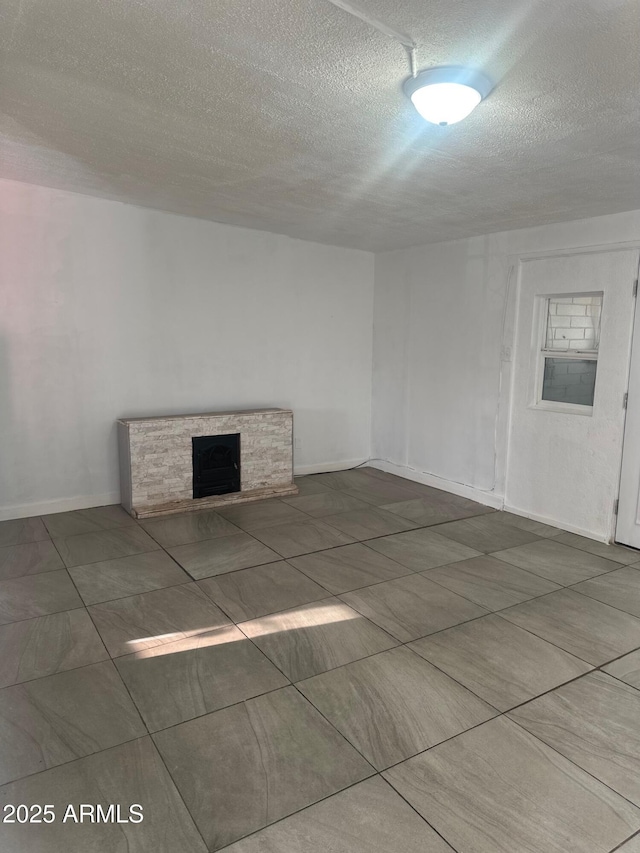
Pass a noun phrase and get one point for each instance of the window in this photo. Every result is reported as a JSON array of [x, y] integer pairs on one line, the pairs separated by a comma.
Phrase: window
[[571, 337]]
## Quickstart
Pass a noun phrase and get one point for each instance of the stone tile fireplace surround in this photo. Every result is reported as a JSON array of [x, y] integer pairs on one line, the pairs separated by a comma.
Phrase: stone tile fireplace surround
[[156, 471]]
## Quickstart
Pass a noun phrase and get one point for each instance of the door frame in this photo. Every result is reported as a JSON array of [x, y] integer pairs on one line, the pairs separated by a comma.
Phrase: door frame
[[635, 331]]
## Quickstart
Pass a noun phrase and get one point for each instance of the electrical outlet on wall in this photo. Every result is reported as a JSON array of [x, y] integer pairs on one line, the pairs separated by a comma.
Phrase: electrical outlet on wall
[[505, 353], [297, 444]]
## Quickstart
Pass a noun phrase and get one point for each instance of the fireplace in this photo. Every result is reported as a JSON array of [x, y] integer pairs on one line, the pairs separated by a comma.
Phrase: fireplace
[[216, 465], [158, 460]]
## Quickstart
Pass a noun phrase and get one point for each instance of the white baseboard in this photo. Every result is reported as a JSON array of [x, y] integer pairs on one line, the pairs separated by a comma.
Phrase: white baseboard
[[325, 467], [61, 505], [570, 528], [487, 498]]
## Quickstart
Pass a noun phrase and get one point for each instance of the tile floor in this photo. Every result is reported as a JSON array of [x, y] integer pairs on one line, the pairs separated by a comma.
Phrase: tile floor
[[373, 666]]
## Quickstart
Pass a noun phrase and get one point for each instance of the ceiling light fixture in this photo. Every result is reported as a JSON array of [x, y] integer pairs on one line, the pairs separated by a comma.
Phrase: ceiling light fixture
[[443, 95], [448, 94]]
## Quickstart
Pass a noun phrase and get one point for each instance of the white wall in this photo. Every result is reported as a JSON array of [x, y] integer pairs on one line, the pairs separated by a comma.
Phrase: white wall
[[441, 321], [108, 310]]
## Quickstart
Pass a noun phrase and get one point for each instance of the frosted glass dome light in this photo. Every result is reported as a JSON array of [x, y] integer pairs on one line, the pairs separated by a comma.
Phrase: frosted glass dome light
[[447, 95]]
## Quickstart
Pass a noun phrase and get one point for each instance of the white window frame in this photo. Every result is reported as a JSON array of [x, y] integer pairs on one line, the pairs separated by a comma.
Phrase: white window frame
[[542, 353]]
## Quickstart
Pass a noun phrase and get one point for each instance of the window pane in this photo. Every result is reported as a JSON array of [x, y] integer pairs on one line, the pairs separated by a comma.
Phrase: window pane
[[568, 380], [573, 322]]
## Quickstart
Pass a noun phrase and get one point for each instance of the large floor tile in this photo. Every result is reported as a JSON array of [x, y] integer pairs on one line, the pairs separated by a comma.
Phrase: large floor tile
[[57, 719], [491, 583], [342, 480], [226, 554], [37, 595], [126, 774], [484, 533], [38, 647], [412, 607], [627, 669], [190, 527], [255, 592], [426, 511], [422, 549], [252, 516], [193, 676], [326, 503], [63, 524], [559, 563], [295, 538], [393, 705], [310, 486], [617, 553], [500, 662], [497, 789], [369, 817], [349, 567], [632, 845], [582, 626], [316, 637], [379, 493], [430, 493], [543, 530], [140, 622], [29, 559], [419, 490], [593, 722], [20, 530], [245, 767], [388, 477], [620, 589], [127, 576], [369, 523], [104, 545]]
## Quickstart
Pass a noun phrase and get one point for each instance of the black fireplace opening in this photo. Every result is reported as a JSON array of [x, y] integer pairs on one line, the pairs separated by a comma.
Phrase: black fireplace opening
[[216, 465]]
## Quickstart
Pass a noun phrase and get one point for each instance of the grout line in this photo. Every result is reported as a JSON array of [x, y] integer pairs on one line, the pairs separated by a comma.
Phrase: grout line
[[494, 555], [578, 766], [376, 775], [73, 760], [616, 678], [608, 544], [546, 692], [622, 843], [496, 716], [109, 657], [415, 810], [103, 559], [598, 601], [142, 592], [600, 670], [178, 791], [408, 571], [162, 729]]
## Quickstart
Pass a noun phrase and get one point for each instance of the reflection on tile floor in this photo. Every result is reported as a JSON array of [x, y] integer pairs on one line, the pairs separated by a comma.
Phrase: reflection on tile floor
[[374, 666]]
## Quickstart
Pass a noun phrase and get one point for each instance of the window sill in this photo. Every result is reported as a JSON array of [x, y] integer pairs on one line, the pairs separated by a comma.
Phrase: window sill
[[563, 408]]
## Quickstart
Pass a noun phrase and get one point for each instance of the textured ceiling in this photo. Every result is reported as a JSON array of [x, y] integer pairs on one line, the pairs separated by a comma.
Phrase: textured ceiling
[[288, 115]]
